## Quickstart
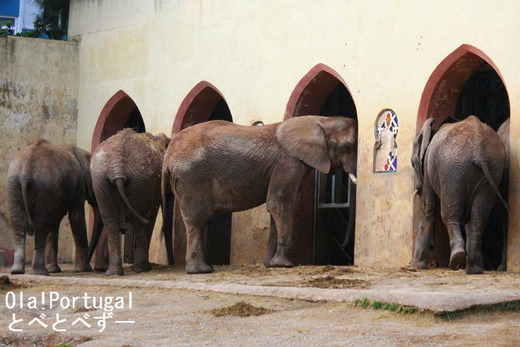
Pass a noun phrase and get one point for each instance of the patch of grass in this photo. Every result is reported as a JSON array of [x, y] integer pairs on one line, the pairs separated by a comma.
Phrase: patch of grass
[[387, 306]]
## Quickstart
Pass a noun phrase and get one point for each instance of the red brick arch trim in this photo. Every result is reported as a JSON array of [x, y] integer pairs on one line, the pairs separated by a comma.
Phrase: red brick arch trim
[[440, 95], [197, 106], [312, 91], [113, 117]]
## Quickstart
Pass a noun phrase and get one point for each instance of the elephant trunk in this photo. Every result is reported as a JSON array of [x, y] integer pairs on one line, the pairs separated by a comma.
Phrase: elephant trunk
[[120, 183]]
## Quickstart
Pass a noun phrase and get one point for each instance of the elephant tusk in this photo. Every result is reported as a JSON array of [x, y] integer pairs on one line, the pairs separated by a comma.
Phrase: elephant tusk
[[415, 193], [352, 177]]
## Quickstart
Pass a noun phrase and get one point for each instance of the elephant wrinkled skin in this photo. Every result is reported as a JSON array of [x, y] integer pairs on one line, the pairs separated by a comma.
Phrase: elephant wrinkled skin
[[45, 182], [461, 164], [126, 176], [218, 167]]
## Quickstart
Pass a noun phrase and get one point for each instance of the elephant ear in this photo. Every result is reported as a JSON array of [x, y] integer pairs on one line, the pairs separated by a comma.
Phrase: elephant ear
[[426, 132], [304, 138]]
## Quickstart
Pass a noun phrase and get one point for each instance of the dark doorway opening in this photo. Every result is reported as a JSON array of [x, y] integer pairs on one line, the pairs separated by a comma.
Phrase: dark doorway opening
[[202, 104], [119, 112], [484, 95], [327, 201], [471, 85]]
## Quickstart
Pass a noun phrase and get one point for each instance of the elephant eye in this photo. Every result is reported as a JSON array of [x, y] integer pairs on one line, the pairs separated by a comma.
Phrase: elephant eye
[[348, 147]]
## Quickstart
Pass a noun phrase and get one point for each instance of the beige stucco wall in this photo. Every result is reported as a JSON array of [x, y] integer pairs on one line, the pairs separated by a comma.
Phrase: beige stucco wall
[[38, 99], [255, 52]]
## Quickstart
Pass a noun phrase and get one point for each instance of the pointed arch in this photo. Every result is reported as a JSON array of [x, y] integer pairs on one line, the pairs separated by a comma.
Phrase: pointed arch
[[204, 102], [440, 95], [313, 90], [322, 91], [199, 105], [441, 98], [114, 116]]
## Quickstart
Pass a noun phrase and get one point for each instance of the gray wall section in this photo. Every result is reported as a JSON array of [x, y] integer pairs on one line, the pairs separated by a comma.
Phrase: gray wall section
[[38, 99]]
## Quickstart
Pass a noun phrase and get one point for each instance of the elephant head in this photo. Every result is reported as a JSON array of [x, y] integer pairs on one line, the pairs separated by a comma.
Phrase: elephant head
[[321, 142], [420, 144], [163, 140]]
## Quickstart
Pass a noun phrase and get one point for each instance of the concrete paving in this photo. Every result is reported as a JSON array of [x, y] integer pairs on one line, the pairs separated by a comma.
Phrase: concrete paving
[[437, 291]]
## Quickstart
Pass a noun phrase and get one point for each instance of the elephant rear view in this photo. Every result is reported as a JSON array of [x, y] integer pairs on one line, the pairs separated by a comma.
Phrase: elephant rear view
[[219, 167], [461, 164], [126, 176], [44, 183]]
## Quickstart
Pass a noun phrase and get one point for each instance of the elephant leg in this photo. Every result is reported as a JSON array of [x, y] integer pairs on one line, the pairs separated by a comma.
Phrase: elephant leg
[[51, 256], [271, 243], [195, 262], [142, 244], [40, 240], [457, 252], [79, 233], [426, 228], [504, 220], [115, 263], [281, 203], [480, 211], [19, 251], [452, 212], [102, 259]]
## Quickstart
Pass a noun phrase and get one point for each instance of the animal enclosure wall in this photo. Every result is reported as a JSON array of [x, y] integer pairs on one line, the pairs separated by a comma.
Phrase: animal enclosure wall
[[38, 99], [256, 53]]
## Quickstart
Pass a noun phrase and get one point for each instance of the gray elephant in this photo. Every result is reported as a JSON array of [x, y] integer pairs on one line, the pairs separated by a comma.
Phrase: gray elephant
[[45, 182], [502, 212], [126, 176], [218, 167], [461, 164]]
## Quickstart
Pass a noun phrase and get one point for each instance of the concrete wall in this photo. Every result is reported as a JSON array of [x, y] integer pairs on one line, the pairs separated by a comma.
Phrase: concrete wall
[[38, 99], [256, 52]]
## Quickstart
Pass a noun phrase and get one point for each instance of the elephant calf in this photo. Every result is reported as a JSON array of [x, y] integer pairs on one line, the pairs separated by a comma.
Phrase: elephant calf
[[461, 164], [218, 167], [45, 182], [126, 176]]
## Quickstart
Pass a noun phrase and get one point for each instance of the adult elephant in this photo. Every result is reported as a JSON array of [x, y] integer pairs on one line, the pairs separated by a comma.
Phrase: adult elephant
[[461, 164], [45, 182], [126, 176], [502, 212], [218, 167]]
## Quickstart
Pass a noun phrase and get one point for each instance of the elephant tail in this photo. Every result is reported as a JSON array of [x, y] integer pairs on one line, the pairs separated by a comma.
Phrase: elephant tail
[[120, 183], [485, 169], [25, 185]]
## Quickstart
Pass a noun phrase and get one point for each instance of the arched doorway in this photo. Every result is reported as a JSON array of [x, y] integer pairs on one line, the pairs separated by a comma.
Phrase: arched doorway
[[203, 103], [118, 113], [325, 219], [465, 83]]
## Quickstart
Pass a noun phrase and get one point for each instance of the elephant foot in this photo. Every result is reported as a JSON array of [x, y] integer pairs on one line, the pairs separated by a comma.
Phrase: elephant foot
[[41, 272], [198, 268], [474, 270], [101, 268], [17, 269], [280, 261], [54, 268], [502, 267], [458, 259], [142, 268], [267, 263], [83, 268], [419, 264], [115, 271]]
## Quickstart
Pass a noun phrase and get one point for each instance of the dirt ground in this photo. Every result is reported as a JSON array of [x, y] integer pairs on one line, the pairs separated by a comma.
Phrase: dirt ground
[[170, 307]]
